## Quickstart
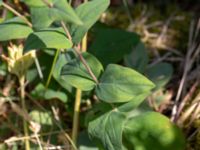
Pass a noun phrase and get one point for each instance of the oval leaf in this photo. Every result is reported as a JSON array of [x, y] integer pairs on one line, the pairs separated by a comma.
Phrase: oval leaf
[[152, 131], [107, 130], [77, 75], [111, 45], [40, 17], [160, 74], [138, 58], [43, 118], [14, 29], [133, 104], [62, 60], [89, 13], [35, 3], [42, 93], [121, 84], [84, 142], [49, 38], [62, 11]]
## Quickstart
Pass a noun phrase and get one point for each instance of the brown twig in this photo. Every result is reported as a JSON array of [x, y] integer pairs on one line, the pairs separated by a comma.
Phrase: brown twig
[[66, 30], [17, 14], [86, 65], [82, 59]]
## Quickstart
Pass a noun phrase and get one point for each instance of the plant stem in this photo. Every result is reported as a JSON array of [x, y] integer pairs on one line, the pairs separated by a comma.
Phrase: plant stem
[[66, 31], [76, 115], [25, 124], [84, 43], [52, 68], [84, 48], [16, 13], [82, 59], [78, 100], [79, 92], [38, 68]]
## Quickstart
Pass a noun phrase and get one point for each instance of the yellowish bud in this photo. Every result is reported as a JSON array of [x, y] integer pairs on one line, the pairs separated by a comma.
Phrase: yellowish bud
[[18, 63]]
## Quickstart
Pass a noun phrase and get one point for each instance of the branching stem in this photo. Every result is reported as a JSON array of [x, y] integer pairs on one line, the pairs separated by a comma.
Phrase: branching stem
[[78, 92], [84, 48]]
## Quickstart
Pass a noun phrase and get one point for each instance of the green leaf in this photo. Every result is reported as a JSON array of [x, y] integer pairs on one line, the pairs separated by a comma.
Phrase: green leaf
[[77, 75], [111, 45], [134, 103], [14, 28], [121, 84], [62, 11], [35, 3], [62, 60], [43, 17], [40, 17], [101, 108], [152, 131], [160, 74], [89, 13], [40, 117], [42, 93], [107, 130], [51, 94], [96, 111], [138, 129], [138, 58], [84, 142], [48, 38]]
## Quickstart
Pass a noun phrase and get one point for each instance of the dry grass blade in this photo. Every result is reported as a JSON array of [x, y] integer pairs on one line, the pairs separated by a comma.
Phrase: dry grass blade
[[192, 53], [193, 110], [187, 98]]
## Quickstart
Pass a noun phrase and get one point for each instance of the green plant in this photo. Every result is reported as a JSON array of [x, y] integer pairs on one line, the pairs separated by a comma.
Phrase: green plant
[[119, 119]]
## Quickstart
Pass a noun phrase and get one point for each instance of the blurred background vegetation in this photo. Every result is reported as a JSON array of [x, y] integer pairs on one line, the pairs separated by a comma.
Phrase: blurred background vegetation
[[169, 30]]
